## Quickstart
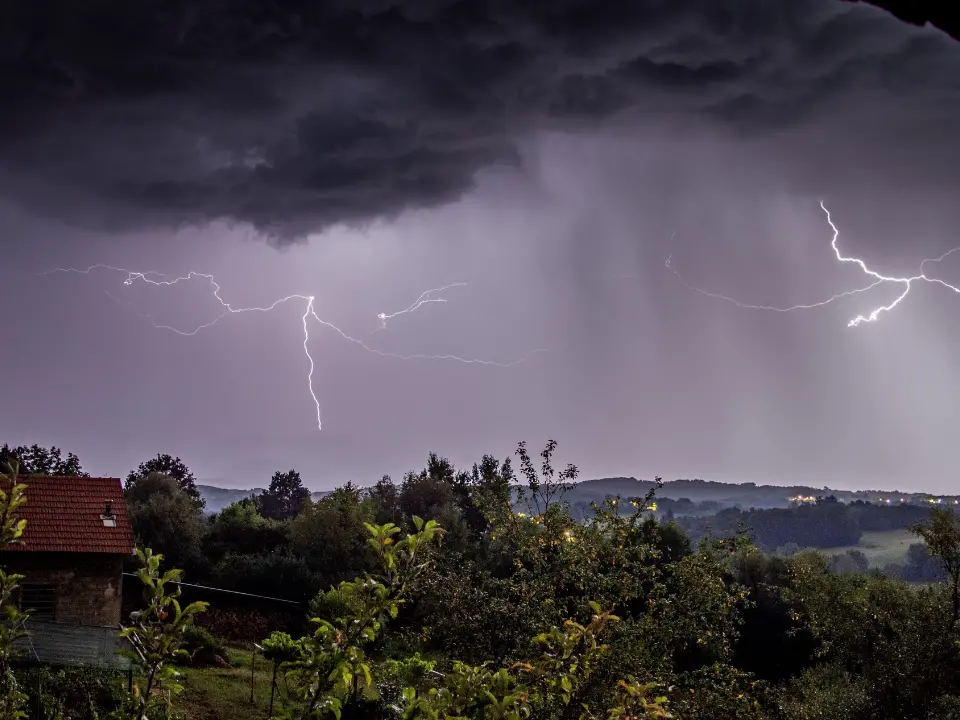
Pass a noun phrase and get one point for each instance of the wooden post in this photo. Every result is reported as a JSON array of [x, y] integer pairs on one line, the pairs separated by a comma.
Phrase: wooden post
[[39, 696], [253, 664], [273, 688]]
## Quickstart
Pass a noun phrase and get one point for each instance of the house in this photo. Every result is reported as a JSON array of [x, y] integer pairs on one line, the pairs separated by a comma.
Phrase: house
[[72, 550]]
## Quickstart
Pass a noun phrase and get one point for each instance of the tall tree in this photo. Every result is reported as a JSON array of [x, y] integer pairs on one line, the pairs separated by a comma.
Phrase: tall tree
[[172, 467], [385, 498], [167, 518], [942, 535], [285, 497], [37, 460]]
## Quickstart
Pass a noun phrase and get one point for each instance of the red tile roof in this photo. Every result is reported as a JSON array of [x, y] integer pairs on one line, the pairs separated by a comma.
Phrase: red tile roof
[[63, 515]]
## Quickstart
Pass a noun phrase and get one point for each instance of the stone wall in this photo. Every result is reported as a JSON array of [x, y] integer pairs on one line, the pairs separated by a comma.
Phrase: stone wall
[[88, 586]]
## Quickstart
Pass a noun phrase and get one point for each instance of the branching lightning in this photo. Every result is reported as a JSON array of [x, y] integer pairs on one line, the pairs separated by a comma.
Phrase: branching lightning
[[427, 297], [905, 282], [152, 277]]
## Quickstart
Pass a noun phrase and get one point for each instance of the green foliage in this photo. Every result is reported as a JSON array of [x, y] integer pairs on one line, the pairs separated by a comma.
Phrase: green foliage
[[240, 529], [546, 488], [201, 646], [825, 692], [285, 497], [546, 686], [36, 460], [280, 647], [282, 574], [329, 536], [705, 631], [170, 466], [634, 701], [12, 619], [157, 633], [164, 515], [899, 640], [331, 667], [941, 533], [76, 693]]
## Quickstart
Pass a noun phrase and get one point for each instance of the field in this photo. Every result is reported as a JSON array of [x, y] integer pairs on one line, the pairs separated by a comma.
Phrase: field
[[224, 693], [881, 548]]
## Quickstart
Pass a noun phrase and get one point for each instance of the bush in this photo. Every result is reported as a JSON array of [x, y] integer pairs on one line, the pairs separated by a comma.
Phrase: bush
[[75, 693], [203, 646]]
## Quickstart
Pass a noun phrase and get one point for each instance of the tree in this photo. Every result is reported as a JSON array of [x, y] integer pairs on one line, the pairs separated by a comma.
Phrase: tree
[[240, 528], [37, 460], [171, 467], [285, 497], [385, 498], [330, 534], [334, 674], [331, 666], [547, 487], [942, 535], [167, 517]]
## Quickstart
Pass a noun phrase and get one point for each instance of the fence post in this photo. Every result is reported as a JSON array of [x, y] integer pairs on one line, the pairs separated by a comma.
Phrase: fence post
[[273, 687], [39, 696], [253, 664]]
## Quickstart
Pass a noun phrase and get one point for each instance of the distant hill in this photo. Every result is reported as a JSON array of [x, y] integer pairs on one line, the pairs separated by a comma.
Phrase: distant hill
[[725, 494], [722, 494], [218, 498]]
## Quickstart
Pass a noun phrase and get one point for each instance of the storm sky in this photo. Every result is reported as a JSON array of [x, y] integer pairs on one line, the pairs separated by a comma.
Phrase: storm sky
[[365, 151]]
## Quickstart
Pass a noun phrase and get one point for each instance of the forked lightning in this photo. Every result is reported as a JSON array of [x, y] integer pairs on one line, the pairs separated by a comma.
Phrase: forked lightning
[[159, 279], [878, 279]]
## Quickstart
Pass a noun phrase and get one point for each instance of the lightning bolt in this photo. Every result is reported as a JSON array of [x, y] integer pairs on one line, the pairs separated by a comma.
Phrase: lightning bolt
[[151, 277], [426, 297], [906, 282]]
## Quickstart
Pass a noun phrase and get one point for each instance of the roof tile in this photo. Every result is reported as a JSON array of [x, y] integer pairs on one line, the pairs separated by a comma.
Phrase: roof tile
[[63, 515]]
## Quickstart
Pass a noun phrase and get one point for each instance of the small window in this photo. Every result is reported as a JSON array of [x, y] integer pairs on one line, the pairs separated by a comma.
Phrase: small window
[[40, 599]]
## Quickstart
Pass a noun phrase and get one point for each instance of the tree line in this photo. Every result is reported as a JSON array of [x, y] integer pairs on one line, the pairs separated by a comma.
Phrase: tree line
[[826, 523]]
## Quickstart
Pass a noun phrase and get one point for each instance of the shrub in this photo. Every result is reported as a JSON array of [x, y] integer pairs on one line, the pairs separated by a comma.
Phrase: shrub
[[76, 693], [202, 646]]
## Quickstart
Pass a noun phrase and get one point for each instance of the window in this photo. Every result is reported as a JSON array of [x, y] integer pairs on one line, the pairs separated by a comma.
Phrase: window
[[40, 599]]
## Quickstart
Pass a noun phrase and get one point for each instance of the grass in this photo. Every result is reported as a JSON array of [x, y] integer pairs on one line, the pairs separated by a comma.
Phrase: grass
[[881, 548], [224, 693]]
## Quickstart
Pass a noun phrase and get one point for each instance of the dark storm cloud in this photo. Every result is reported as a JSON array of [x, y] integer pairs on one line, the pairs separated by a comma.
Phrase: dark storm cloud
[[293, 116]]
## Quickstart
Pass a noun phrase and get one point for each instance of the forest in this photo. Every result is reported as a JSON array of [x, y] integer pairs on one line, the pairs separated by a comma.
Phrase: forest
[[478, 593]]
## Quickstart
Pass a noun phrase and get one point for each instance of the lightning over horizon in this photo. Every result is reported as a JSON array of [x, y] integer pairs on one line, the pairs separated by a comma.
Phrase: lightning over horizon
[[878, 279], [152, 277]]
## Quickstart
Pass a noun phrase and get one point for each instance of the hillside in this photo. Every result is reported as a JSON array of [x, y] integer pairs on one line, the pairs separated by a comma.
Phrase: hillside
[[718, 494], [725, 494], [217, 498]]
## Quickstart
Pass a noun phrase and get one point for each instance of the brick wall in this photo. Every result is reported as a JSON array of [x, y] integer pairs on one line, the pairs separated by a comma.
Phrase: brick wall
[[88, 586]]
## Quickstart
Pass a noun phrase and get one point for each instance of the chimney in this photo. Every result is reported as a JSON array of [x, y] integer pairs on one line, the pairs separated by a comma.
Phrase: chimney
[[108, 518]]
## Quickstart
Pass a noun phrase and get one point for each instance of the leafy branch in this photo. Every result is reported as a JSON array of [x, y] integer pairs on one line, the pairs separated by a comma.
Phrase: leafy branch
[[12, 496], [156, 632], [331, 666]]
